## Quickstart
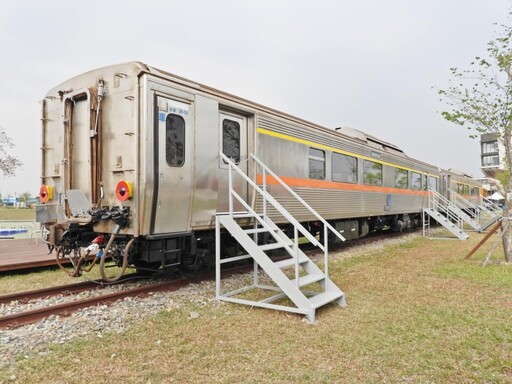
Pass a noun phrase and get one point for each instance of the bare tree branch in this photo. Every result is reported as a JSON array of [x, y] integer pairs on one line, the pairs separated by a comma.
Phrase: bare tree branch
[[8, 163]]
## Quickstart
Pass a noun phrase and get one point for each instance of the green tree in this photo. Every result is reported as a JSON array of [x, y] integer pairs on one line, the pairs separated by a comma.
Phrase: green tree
[[24, 197], [8, 163], [479, 98]]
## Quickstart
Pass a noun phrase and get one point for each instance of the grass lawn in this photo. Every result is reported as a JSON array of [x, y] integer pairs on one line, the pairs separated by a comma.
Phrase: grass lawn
[[418, 312], [10, 213]]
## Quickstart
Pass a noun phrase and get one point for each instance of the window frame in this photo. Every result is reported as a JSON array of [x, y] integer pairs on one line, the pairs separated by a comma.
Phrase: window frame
[[235, 159], [365, 169], [405, 173], [354, 173], [433, 178], [490, 160], [490, 147], [170, 162], [414, 185], [312, 157]]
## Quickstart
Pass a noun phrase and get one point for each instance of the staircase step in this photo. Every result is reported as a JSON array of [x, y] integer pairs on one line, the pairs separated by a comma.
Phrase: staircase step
[[325, 298], [268, 247], [309, 279], [258, 230], [291, 262], [243, 215]]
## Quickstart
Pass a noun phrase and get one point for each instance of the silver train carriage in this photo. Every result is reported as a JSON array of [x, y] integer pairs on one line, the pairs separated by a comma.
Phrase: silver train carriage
[[130, 156]]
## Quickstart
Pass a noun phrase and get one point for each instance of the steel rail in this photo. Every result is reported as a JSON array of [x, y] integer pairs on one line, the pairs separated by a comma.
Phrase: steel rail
[[51, 291], [66, 290], [16, 320], [65, 309]]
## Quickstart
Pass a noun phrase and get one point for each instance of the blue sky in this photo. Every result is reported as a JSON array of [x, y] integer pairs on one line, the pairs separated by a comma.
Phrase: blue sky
[[366, 64]]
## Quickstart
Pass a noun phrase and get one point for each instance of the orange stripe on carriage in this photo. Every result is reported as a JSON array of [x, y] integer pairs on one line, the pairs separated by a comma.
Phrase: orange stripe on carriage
[[323, 184]]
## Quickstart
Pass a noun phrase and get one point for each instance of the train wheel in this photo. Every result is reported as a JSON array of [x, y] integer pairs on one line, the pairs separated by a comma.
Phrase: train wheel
[[113, 269], [66, 255]]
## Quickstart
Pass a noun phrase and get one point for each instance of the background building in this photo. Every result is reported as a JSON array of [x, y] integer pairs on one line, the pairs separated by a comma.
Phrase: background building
[[492, 152]]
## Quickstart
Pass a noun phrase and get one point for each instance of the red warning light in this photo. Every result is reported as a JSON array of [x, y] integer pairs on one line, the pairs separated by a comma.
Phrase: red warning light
[[45, 194], [124, 190]]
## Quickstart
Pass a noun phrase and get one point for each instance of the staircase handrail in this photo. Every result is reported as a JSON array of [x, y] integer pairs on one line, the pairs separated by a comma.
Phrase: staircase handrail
[[448, 203], [434, 203], [471, 209], [271, 200], [463, 200], [297, 197], [494, 207], [292, 252], [437, 206]]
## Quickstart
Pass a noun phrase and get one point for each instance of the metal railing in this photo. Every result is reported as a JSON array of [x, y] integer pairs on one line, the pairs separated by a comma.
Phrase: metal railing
[[491, 207], [269, 199], [439, 203], [472, 210]]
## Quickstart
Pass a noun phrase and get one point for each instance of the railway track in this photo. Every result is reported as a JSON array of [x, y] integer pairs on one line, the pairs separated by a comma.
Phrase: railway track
[[19, 319], [24, 297], [16, 320], [64, 290]]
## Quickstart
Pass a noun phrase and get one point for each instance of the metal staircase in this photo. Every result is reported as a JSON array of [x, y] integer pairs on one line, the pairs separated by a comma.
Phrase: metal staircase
[[445, 213], [468, 211], [290, 275], [491, 207], [490, 213]]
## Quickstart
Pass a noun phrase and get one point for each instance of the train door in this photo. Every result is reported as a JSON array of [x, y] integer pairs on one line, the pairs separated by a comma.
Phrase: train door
[[233, 143], [80, 166], [80, 153], [173, 160]]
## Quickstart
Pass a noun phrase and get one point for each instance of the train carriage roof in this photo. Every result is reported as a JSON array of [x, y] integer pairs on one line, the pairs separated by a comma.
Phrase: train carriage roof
[[138, 68]]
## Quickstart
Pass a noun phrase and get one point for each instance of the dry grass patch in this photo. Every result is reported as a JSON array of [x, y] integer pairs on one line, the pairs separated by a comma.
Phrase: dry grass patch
[[10, 213], [410, 318], [21, 282]]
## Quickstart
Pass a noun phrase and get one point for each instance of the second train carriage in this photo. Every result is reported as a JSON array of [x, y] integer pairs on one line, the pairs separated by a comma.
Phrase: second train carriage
[[130, 155]]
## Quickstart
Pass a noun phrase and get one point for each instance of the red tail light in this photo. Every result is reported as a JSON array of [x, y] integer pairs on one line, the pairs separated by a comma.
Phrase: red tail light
[[124, 190], [45, 194]]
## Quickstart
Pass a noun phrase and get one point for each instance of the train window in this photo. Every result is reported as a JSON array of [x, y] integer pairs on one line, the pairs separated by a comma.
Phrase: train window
[[401, 178], [316, 164], [175, 140], [372, 173], [432, 182], [460, 189], [466, 189], [415, 181], [344, 168], [231, 139], [425, 185]]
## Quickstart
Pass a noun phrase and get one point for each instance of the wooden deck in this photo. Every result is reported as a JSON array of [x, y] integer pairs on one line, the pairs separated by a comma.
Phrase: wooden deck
[[24, 254]]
